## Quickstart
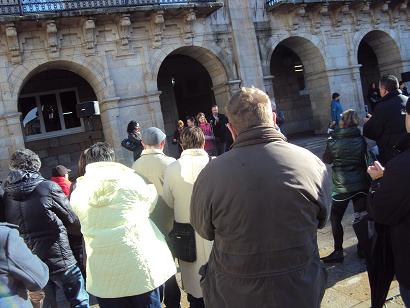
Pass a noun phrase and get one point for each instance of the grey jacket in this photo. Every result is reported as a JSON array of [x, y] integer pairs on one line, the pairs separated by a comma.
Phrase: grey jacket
[[262, 203], [20, 270]]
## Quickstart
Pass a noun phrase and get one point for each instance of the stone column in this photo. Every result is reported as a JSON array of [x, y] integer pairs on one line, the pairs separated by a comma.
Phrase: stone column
[[224, 92], [346, 81], [110, 119], [268, 81], [245, 44], [11, 139], [154, 107]]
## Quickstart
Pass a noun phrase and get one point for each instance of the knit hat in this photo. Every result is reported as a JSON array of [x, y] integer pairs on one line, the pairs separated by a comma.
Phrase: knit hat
[[60, 170], [152, 136]]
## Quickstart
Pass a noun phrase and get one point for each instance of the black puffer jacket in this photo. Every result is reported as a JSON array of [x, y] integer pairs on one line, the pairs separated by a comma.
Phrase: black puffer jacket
[[43, 214], [386, 126], [346, 150]]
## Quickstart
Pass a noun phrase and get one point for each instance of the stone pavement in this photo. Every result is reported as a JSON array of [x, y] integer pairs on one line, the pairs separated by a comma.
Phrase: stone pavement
[[348, 284]]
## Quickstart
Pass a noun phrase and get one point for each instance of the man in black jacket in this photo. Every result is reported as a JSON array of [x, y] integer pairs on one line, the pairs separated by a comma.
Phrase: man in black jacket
[[386, 123], [218, 122], [42, 212], [390, 206]]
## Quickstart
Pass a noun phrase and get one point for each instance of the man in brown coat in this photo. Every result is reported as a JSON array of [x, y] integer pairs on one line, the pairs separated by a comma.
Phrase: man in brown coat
[[261, 203]]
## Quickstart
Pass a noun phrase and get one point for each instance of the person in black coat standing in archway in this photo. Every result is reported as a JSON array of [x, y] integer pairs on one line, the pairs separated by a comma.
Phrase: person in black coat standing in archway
[[219, 122], [386, 124]]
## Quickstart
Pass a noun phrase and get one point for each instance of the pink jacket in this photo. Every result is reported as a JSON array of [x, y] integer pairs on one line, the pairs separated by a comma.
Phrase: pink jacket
[[209, 136]]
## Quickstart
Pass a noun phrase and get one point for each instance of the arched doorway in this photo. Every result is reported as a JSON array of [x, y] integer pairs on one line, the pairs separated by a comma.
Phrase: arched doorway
[[50, 123], [186, 89], [300, 86], [190, 79], [378, 54]]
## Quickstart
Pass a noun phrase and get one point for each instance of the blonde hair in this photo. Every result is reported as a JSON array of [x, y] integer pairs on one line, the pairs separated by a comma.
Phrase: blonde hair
[[249, 107], [199, 115], [349, 118], [180, 123]]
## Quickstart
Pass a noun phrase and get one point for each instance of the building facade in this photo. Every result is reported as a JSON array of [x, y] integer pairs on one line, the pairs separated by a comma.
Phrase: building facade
[[157, 61]]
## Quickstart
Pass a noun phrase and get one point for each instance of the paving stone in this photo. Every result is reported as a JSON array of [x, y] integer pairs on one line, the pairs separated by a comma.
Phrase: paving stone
[[336, 299]]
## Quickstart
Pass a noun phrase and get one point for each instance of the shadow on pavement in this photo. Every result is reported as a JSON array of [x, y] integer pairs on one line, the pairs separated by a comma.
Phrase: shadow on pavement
[[351, 266]]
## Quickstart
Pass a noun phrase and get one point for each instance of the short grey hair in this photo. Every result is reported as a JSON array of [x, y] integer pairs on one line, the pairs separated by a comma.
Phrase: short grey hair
[[249, 107], [25, 159]]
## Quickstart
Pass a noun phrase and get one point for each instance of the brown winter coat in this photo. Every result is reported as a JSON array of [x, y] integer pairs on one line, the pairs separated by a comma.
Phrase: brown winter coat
[[262, 203]]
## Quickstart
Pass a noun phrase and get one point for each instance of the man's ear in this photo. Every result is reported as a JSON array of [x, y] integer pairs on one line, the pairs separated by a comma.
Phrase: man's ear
[[233, 131], [274, 118]]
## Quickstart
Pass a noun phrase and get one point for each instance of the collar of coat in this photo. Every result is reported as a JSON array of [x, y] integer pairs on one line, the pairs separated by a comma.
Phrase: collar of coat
[[390, 95], [152, 151], [257, 135], [194, 152]]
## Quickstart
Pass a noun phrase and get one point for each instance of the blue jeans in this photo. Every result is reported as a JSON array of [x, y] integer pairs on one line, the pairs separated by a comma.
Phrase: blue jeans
[[72, 283], [147, 300], [405, 295]]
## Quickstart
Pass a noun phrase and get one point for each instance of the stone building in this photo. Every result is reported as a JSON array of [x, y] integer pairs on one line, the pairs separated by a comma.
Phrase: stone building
[[157, 61]]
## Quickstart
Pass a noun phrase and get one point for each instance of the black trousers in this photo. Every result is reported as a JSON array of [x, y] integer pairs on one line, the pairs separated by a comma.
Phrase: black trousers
[[337, 212], [147, 300], [195, 302], [220, 146], [171, 293]]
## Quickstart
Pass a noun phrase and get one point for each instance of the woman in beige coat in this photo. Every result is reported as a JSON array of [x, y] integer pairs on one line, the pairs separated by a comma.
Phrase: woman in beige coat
[[179, 180]]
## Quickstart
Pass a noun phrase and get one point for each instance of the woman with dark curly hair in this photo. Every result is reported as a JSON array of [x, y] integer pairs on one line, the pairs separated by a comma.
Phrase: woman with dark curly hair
[[133, 142]]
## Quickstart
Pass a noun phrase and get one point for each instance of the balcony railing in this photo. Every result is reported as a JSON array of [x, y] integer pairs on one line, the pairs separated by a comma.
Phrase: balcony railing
[[30, 7], [274, 3]]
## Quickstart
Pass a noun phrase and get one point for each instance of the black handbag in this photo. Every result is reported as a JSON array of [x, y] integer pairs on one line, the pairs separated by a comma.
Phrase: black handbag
[[129, 145], [181, 239]]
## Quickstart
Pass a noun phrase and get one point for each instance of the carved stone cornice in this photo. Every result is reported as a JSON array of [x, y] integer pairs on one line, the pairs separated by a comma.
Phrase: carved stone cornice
[[190, 17], [52, 40], [158, 26], [89, 35], [124, 29], [13, 43]]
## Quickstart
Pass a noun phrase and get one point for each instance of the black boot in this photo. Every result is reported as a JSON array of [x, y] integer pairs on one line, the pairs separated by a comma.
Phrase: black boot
[[335, 257]]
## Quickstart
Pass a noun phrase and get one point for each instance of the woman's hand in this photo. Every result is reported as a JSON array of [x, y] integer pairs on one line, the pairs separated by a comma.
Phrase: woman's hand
[[376, 171]]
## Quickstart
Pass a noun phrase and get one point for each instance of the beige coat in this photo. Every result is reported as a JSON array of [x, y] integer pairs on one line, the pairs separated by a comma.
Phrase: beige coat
[[262, 203], [151, 166], [179, 181]]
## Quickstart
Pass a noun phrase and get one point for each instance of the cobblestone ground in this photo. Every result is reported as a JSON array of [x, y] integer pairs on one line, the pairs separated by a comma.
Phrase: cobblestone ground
[[348, 284]]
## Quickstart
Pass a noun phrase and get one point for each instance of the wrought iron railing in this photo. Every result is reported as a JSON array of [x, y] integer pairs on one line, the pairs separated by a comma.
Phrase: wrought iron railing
[[273, 3], [27, 7]]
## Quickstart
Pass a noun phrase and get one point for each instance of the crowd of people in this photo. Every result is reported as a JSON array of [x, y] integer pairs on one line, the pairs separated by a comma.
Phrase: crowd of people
[[242, 225]]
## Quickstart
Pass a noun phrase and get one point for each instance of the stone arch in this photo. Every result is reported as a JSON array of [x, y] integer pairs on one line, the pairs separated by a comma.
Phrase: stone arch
[[212, 85], [316, 81], [213, 58], [92, 71], [272, 43], [386, 48], [378, 53]]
